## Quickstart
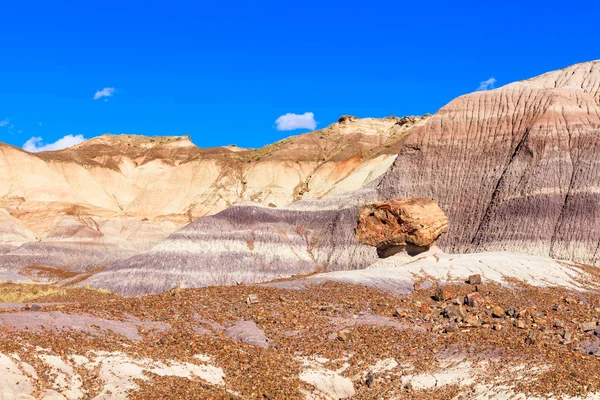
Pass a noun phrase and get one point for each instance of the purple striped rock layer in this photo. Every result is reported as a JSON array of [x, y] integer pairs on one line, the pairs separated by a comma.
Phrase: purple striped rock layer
[[243, 244], [517, 168]]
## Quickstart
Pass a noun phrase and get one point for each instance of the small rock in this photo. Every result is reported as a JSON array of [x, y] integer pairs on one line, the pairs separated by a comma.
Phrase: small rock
[[497, 312], [570, 300], [497, 327], [451, 329], [539, 320], [513, 312], [474, 279], [556, 307], [472, 320], [443, 294], [474, 299], [520, 324], [267, 396], [369, 380], [400, 313], [588, 326], [566, 334], [457, 313], [252, 299], [559, 324], [344, 335], [533, 337], [35, 307], [175, 291], [422, 285], [408, 386]]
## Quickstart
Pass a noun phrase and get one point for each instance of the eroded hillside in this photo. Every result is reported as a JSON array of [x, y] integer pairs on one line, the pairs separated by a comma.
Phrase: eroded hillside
[[116, 195]]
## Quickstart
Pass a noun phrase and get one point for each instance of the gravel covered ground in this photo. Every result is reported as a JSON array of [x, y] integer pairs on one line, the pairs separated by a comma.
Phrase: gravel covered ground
[[334, 340]]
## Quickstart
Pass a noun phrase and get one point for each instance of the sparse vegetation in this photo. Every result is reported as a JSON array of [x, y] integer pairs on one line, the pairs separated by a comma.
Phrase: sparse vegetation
[[26, 292], [98, 290], [43, 293]]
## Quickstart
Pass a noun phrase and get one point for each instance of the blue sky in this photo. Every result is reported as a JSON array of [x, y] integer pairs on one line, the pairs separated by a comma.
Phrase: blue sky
[[224, 72]]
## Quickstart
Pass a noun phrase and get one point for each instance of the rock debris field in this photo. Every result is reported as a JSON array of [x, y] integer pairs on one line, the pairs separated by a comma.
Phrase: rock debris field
[[466, 338]]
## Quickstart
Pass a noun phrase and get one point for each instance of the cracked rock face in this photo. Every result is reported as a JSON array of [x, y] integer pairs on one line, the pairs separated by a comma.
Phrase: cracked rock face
[[401, 222], [514, 168]]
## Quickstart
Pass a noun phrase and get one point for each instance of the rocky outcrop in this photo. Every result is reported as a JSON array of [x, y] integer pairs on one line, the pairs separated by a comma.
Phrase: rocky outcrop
[[401, 222], [514, 168]]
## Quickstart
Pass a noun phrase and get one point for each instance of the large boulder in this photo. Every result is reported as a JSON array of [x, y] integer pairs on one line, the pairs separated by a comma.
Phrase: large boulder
[[409, 222]]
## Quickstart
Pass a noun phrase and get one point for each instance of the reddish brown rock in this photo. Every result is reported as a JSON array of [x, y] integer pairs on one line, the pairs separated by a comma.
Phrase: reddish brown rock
[[472, 321], [401, 222], [474, 299], [443, 294], [588, 326], [497, 312], [454, 312], [344, 335]]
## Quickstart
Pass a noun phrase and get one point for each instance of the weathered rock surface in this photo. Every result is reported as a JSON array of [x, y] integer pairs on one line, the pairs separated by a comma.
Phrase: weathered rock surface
[[401, 222], [514, 168]]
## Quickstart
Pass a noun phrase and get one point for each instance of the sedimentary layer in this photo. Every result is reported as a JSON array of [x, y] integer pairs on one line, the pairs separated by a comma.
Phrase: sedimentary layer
[[516, 168], [243, 244]]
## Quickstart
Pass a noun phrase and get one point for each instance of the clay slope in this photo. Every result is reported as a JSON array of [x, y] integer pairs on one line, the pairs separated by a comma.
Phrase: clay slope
[[114, 196], [249, 244], [514, 168], [243, 244]]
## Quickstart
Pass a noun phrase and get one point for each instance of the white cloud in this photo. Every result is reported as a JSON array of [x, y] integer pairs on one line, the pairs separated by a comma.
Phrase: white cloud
[[290, 122], [40, 124], [4, 122], [106, 92], [36, 144], [487, 84]]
